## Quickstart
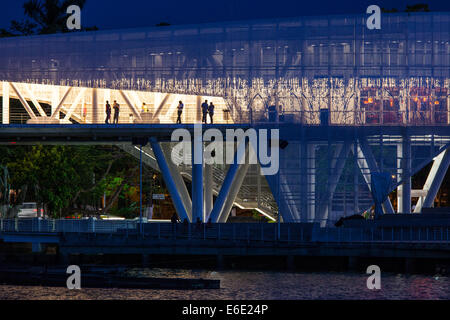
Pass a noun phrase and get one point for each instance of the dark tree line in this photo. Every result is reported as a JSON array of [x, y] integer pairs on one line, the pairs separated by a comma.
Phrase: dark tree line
[[43, 17]]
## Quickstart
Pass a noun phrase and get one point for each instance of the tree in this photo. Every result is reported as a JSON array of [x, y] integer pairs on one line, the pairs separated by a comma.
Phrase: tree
[[43, 17], [55, 175]]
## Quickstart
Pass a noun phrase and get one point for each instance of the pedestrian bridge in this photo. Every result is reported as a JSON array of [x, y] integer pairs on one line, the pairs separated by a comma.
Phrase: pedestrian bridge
[[348, 102]]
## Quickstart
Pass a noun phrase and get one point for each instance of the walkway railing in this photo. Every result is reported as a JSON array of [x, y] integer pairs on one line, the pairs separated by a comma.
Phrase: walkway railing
[[355, 117], [247, 232], [57, 226]]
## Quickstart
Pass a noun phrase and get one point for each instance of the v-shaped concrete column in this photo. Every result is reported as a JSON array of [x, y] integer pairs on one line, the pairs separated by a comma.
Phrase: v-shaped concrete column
[[367, 164], [169, 180]]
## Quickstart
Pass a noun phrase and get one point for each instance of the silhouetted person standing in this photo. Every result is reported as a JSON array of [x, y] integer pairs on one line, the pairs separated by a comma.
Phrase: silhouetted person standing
[[205, 110], [211, 112], [108, 112], [116, 112], [174, 221], [174, 218], [180, 111]]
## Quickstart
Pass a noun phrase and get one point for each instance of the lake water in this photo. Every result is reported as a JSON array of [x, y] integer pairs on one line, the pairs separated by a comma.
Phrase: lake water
[[251, 285]]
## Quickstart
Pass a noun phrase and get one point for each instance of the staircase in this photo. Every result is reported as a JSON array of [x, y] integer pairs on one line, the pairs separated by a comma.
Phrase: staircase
[[247, 197]]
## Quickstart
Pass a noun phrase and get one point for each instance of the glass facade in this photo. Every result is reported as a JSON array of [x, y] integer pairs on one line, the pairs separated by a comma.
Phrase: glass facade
[[397, 75]]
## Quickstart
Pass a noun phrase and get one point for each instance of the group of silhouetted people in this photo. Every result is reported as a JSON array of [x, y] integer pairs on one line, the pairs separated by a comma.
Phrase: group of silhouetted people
[[208, 109], [116, 108], [198, 223]]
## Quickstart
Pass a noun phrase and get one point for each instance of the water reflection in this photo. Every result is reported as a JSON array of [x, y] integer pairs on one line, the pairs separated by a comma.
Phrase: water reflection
[[256, 285]]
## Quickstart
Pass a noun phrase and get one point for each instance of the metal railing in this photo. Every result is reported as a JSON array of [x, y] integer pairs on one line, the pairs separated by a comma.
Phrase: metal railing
[[405, 234], [355, 117], [236, 232], [65, 225], [358, 117]]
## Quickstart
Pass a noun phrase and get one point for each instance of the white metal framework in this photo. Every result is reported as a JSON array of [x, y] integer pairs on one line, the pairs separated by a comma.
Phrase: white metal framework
[[330, 71]]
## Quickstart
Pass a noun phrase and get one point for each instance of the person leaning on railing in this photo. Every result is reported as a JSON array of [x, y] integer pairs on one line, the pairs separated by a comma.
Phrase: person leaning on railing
[[180, 111]]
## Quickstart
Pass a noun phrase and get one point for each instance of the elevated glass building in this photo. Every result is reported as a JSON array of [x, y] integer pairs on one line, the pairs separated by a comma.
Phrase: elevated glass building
[[348, 101]]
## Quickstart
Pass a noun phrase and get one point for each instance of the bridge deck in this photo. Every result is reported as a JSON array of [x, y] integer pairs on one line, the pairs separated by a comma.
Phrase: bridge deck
[[98, 134]]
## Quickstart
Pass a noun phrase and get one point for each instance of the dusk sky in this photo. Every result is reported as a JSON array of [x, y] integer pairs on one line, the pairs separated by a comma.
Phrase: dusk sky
[[117, 14]]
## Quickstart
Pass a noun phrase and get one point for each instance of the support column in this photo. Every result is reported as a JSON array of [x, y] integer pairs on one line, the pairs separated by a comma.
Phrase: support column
[[437, 161], [308, 181], [225, 194], [304, 181], [55, 98], [198, 109], [197, 175], [399, 178], [437, 179], [337, 166], [171, 186], [367, 165], [311, 181], [258, 189], [178, 180], [236, 186], [95, 110], [404, 159], [208, 190], [5, 103], [355, 178]]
